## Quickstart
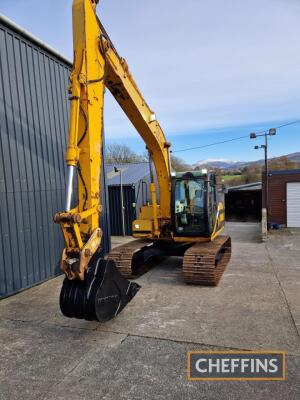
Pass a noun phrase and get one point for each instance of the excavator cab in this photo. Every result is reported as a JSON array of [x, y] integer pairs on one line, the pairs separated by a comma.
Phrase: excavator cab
[[194, 204]]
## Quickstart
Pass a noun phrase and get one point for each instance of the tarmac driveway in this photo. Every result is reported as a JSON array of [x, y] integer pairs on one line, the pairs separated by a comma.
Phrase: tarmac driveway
[[142, 353]]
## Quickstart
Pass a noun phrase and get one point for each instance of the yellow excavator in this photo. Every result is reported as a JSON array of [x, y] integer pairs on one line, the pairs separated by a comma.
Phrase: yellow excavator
[[187, 222]]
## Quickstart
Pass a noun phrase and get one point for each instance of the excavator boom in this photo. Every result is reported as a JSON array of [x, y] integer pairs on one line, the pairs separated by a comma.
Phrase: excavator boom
[[188, 212], [97, 65], [121, 84]]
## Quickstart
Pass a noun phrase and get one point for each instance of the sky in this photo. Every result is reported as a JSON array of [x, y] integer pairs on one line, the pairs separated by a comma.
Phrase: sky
[[211, 70]]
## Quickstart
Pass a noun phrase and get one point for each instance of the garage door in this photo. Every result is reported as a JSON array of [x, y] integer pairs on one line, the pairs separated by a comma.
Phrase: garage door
[[293, 204]]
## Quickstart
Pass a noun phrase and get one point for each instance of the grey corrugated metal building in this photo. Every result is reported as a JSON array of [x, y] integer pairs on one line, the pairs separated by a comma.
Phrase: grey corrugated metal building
[[136, 192], [33, 131]]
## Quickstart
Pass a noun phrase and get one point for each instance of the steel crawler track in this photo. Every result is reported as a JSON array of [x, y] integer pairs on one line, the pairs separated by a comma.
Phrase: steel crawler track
[[205, 263], [123, 255]]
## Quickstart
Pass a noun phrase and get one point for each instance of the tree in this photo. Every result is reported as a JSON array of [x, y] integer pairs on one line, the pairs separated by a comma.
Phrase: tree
[[121, 154], [251, 175], [282, 163], [179, 165]]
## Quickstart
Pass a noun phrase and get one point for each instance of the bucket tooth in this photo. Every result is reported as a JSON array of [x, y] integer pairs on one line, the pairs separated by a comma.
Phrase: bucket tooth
[[101, 296]]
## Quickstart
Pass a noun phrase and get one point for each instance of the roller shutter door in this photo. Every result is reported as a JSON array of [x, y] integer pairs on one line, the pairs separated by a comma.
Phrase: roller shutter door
[[293, 204]]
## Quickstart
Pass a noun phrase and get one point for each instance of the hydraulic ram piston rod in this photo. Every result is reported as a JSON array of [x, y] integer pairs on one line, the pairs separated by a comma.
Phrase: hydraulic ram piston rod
[[71, 169]]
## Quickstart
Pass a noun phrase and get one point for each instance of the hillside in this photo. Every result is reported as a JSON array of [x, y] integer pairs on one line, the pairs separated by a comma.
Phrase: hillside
[[229, 165]]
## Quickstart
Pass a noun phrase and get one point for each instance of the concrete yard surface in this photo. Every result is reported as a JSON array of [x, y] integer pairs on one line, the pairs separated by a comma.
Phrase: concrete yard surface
[[142, 354]]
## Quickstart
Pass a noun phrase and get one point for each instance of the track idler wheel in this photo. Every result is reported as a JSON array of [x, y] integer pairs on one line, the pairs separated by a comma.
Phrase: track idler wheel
[[101, 296]]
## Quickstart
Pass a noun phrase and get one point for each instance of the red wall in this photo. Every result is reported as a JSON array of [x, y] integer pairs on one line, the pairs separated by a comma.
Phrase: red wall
[[277, 193]]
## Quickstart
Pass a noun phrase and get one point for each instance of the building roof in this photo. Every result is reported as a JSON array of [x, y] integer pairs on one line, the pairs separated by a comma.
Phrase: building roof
[[285, 172], [248, 186], [131, 173]]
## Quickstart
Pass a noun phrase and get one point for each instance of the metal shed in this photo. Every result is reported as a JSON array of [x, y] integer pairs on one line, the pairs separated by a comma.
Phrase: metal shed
[[33, 130], [136, 192], [284, 197]]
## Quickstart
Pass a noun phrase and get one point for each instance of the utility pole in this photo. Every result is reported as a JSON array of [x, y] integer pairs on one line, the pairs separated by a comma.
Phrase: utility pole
[[254, 135], [122, 199], [266, 177]]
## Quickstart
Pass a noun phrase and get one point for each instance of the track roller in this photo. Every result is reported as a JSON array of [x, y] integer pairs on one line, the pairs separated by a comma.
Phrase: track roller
[[101, 296]]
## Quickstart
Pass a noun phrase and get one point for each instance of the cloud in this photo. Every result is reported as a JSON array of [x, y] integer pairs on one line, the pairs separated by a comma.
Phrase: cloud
[[200, 64], [208, 64]]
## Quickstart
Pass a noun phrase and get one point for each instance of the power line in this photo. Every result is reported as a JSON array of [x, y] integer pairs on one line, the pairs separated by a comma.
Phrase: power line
[[210, 144], [233, 139], [288, 123]]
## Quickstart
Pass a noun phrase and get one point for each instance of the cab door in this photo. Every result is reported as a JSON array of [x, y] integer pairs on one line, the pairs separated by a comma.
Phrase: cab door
[[212, 204]]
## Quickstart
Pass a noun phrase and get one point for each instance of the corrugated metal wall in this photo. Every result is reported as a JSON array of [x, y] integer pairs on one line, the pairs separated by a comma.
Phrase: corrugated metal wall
[[33, 131], [115, 213], [104, 220]]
